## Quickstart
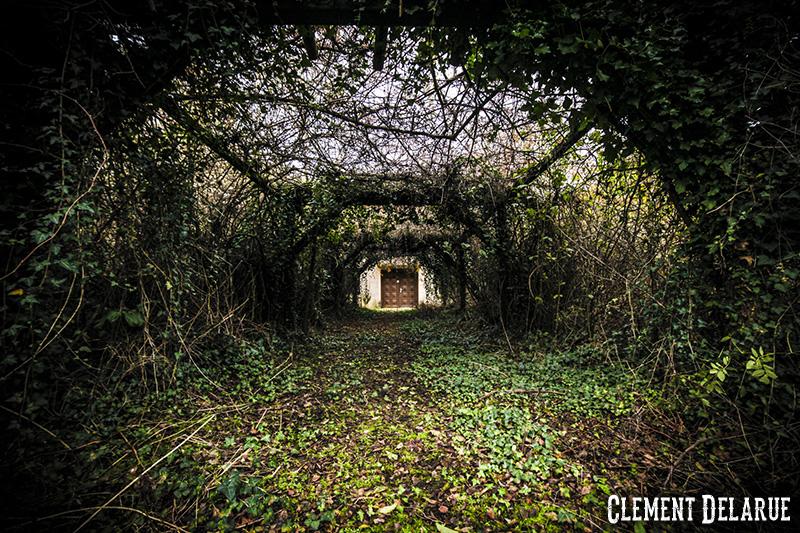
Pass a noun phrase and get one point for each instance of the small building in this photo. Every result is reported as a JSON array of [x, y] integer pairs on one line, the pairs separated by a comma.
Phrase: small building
[[396, 283]]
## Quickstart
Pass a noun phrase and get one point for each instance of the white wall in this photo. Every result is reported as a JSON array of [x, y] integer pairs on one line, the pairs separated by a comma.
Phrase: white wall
[[370, 294]]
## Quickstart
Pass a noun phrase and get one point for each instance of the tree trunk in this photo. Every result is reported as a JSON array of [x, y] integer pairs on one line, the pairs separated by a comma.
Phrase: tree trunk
[[308, 296], [503, 261], [462, 279]]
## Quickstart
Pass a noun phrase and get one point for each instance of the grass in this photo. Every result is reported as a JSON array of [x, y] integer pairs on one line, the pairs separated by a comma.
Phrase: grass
[[389, 421]]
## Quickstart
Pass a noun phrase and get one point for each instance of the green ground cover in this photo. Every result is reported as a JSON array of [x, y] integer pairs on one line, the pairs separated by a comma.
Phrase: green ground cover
[[384, 422]]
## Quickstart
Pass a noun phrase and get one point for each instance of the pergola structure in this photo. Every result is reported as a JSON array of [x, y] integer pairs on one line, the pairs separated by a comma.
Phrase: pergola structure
[[651, 107], [36, 38]]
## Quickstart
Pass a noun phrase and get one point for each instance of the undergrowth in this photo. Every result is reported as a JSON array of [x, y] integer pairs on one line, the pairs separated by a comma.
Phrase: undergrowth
[[390, 421]]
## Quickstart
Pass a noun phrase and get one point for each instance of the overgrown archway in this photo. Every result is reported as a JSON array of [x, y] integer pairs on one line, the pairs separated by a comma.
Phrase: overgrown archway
[[609, 173]]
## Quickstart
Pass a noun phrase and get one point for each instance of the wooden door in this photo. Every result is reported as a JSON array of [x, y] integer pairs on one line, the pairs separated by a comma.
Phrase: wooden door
[[399, 288]]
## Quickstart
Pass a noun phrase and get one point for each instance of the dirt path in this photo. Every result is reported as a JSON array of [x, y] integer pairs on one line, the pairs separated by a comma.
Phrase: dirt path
[[388, 421], [411, 424]]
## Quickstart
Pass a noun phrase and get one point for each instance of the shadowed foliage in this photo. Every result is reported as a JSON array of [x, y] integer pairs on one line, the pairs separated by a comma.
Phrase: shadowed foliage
[[603, 192]]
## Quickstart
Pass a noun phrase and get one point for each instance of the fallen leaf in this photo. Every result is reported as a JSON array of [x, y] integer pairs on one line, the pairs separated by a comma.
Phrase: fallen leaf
[[444, 529], [443, 509], [387, 509]]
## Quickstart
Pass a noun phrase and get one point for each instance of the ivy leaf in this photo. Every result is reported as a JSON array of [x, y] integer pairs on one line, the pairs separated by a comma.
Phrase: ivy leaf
[[133, 318], [230, 486]]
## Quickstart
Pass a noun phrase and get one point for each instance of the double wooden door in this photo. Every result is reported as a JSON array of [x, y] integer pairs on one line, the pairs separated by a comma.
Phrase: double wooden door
[[399, 288]]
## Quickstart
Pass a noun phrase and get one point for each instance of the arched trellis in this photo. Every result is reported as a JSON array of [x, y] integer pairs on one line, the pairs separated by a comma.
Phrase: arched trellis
[[406, 191], [668, 81]]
